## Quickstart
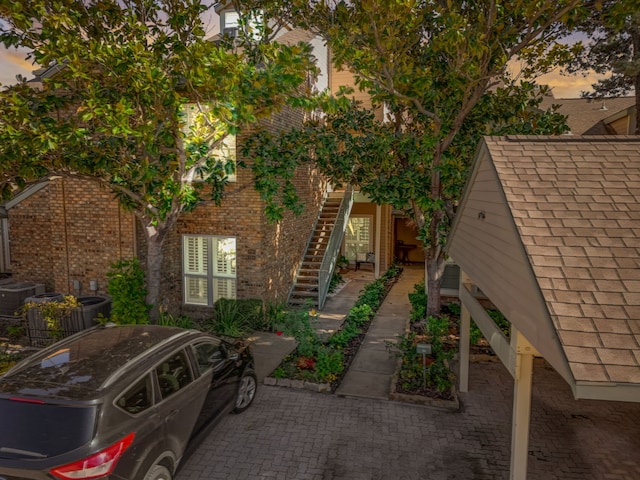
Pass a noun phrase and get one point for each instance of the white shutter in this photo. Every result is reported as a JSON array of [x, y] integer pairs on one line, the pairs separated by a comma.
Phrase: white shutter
[[196, 255], [195, 291], [224, 288]]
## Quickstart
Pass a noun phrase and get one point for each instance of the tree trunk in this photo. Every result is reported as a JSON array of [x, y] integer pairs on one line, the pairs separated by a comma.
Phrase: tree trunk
[[154, 268], [434, 265]]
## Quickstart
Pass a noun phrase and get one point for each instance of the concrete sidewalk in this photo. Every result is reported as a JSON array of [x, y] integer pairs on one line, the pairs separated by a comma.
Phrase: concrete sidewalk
[[371, 370]]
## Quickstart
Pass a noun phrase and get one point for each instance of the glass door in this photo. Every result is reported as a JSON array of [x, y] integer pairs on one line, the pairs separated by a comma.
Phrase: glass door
[[358, 238]]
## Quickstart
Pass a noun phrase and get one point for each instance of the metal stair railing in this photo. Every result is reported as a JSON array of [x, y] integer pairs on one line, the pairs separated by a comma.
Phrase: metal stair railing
[[333, 246]]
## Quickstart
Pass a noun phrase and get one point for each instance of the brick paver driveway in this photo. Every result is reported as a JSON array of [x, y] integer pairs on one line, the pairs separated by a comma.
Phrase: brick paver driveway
[[295, 434]]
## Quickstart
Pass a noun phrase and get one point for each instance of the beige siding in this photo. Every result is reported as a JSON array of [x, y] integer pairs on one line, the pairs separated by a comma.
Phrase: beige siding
[[490, 252]]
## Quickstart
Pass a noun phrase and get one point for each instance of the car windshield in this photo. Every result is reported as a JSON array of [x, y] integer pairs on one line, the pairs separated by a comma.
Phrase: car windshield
[[40, 430]]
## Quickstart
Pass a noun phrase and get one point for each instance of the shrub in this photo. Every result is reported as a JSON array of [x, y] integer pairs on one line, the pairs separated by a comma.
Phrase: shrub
[[435, 373], [418, 301], [229, 319], [127, 291]]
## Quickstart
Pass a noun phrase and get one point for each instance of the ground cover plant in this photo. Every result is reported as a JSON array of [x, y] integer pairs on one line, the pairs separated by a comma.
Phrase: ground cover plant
[[326, 359], [430, 375]]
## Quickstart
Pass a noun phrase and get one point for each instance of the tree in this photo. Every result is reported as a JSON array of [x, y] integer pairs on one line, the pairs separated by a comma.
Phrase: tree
[[613, 47], [439, 70], [114, 112]]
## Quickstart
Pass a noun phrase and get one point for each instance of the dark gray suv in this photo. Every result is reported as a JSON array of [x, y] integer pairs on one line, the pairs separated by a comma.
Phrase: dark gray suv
[[118, 402]]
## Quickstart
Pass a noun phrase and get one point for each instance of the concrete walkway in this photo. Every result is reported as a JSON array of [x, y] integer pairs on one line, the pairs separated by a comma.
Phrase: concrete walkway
[[269, 349], [371, 370]]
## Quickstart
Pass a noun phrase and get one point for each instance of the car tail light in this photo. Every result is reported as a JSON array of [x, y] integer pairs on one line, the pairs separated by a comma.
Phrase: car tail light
[[97, 465]]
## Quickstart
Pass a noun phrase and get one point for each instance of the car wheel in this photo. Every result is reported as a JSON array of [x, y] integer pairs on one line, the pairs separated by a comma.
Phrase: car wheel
[[246, 392], [158, 472]]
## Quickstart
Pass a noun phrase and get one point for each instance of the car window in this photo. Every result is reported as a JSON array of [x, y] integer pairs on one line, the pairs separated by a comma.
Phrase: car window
[[70, 425], [208, 355], [138, 398], [173, 374]]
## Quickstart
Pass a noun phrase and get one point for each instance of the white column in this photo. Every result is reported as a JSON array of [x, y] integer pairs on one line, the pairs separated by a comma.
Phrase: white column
[[465, 337], [521, 406], [465, 334]]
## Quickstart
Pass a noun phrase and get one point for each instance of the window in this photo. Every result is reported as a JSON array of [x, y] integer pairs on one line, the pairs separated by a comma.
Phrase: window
[[138, 398], [173, 374], [196, 127], [209, 265], [357, 240], [208, 355]]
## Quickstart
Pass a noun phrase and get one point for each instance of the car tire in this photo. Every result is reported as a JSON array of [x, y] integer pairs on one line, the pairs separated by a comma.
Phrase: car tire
[[246, 392], [158, 472]]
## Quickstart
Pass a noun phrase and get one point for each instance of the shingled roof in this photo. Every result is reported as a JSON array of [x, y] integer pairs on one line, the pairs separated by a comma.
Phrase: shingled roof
[[575, 204], [586, 116]]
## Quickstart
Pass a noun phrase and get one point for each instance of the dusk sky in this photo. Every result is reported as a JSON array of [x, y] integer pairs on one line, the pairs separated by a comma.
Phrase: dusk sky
[[12, 63]]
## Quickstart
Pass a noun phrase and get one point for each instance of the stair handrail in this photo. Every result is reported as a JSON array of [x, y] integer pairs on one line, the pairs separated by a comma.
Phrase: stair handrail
[[333, 246]]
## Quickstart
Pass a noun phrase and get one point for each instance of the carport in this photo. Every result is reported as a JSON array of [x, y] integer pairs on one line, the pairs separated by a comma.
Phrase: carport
[[548, 229]]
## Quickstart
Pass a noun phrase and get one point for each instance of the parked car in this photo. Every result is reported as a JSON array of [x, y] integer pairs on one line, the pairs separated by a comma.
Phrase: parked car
[[118, 402]]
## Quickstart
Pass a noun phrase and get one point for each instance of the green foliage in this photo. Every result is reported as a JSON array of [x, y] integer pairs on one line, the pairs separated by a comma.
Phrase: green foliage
[[414, 375], [120, 107], [418, 301], [342, 262], [336, 279], [315, 360], [126, 286], [168, 320], [341, 338], [372, 294], [329, 364], [614, 36], [440, 70], [53, 313], [8, 357], [229, 319]]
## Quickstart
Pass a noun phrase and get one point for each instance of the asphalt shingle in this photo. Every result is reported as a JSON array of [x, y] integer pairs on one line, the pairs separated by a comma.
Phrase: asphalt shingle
[[576, 204]]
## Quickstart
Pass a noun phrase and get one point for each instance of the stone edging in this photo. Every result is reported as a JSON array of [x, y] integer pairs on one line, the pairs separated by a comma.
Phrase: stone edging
[[301, 384], [421, 399]]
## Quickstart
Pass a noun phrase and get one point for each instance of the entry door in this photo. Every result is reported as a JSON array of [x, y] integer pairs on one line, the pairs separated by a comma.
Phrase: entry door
[[358, 240]]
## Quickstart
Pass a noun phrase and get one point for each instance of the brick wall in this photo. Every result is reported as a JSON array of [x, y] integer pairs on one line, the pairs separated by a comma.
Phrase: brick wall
[[268, 255], [71, 230]]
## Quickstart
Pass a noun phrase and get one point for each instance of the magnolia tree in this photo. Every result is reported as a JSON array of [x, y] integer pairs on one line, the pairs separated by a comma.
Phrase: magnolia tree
[[613, 48], [438, 70], [113, 110]]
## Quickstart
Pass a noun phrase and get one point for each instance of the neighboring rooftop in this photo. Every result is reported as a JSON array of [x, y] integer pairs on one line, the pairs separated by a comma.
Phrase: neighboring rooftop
[[586, 116]]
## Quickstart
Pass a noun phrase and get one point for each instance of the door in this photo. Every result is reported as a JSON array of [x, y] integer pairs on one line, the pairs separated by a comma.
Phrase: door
[[358, 240]]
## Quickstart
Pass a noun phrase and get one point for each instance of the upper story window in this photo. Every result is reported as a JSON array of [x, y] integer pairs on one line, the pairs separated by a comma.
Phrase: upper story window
[[229, 23], [194, 124]]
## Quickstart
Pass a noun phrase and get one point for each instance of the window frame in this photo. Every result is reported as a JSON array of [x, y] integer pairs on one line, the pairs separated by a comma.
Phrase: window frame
[[369, 247], [211, 277]]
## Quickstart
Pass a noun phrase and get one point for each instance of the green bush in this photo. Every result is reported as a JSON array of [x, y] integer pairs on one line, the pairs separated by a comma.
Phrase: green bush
[[229, 320], [418, 301], [413, 375], [127, 291]]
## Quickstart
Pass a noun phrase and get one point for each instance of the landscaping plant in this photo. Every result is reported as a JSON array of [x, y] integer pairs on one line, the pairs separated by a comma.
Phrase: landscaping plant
[[126, 286]]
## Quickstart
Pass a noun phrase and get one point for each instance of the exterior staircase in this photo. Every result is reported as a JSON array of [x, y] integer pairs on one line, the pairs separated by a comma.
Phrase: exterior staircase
[[312, 282]]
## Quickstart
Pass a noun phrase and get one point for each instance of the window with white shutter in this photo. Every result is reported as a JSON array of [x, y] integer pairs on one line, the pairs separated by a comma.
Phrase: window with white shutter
[[209, 266]]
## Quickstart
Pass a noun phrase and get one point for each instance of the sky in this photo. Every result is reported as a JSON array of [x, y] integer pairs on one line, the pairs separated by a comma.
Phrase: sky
[[12, 63]]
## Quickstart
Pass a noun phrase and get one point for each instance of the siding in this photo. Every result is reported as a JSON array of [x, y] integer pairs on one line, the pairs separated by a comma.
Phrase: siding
[[490, 252]]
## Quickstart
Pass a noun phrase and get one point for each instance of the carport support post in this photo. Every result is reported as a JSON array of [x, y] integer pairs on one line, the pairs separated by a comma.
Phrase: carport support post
[[523, 376], [465, 338]]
